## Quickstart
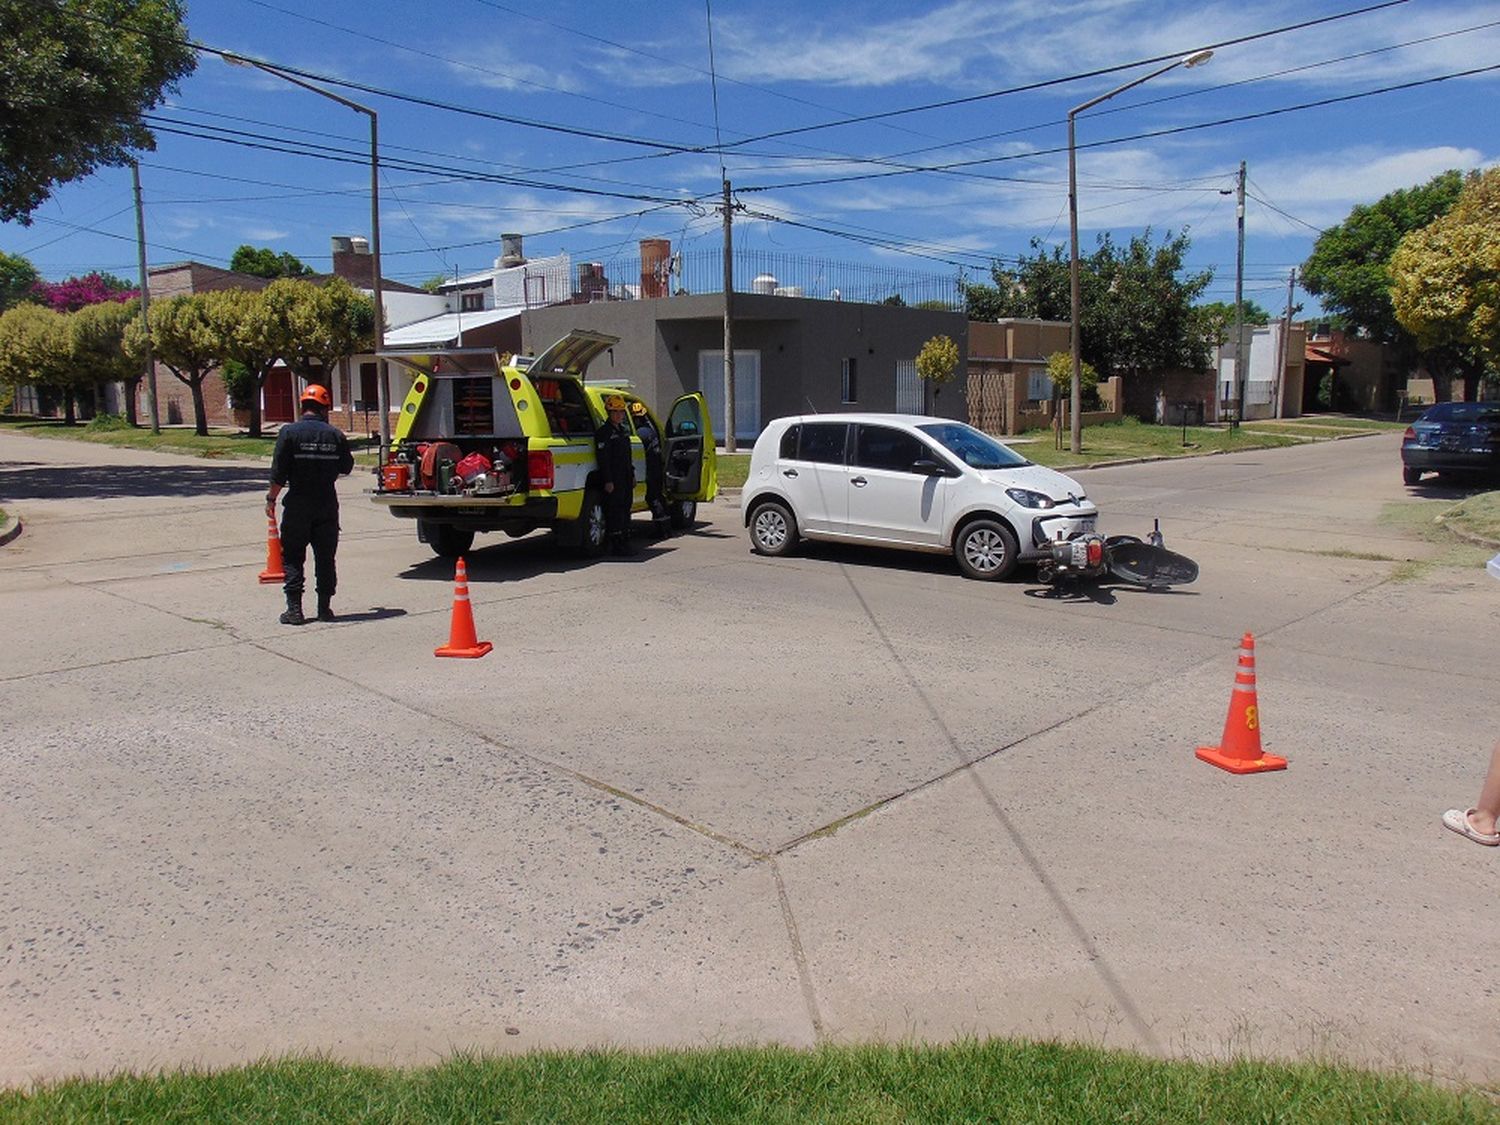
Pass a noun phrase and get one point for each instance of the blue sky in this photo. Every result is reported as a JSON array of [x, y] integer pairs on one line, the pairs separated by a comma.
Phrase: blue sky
[[639, 74]]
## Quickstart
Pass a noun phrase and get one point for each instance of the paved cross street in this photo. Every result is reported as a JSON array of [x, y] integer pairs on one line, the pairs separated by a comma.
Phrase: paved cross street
[[697, 796]]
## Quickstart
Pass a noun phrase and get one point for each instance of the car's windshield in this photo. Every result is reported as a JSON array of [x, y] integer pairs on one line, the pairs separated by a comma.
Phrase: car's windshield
[[977, 450]]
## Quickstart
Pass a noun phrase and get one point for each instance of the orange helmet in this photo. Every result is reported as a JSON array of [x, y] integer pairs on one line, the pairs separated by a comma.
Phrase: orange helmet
[[317, 395]]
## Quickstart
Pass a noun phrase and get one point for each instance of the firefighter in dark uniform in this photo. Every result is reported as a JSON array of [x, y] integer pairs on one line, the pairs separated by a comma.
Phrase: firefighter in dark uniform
[[618, 473], [310, 457], [656, 498]]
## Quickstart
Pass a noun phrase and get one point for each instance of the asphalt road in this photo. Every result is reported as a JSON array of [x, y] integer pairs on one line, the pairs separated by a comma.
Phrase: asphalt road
[[700, 797]]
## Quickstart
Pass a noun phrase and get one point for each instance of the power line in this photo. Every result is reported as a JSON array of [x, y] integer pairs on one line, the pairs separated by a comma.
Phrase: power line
[[1151, 134], [1050, 82]]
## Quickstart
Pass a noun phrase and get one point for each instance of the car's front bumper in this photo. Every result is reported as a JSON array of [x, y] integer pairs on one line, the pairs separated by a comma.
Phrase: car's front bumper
[[1049, 525]]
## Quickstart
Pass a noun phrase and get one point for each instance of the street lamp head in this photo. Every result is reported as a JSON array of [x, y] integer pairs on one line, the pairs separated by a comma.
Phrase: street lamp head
[[1197, 58]]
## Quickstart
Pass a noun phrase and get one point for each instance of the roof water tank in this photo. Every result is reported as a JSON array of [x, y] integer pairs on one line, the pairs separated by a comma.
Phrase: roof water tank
[[764, 283], [359, 245], [510, 251], [342, 244]]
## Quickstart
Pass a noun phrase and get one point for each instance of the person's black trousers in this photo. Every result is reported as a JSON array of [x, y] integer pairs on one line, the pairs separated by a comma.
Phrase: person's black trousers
[[319, 529]]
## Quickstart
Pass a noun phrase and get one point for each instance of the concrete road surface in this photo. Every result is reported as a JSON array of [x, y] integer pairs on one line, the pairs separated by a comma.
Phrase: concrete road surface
[[701, 797]]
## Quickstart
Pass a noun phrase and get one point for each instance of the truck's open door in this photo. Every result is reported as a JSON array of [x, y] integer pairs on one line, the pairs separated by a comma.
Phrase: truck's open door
[[692, 471]]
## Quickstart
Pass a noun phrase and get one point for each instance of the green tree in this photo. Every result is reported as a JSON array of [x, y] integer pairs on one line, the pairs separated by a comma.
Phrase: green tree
[[1136, 301], [1216, 319], [35, 348], [1445, 283], [265, 262], [186, 343], [17, 279], [99, 351], [76, 78], [253, 333], [937, 363], [324, 324], [435, 282], [1349, 268], [1060, 372]]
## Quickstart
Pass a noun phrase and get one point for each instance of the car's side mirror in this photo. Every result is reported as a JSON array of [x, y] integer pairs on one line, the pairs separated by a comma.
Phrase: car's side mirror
[[930, 468]]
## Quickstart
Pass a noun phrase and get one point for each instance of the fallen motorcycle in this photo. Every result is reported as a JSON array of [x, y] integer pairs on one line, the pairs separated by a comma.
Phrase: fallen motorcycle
[[1138, 562]]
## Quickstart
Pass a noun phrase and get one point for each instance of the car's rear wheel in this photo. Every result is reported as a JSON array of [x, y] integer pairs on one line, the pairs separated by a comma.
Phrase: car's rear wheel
[[1410, 475], [773, 531], [447, 541], [985, 549]]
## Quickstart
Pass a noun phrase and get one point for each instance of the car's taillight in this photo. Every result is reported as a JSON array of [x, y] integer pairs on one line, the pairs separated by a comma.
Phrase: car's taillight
[[539, 468], [1410, 435]]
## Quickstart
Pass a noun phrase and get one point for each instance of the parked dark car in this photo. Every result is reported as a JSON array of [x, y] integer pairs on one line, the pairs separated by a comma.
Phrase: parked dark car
[[1452, 437]]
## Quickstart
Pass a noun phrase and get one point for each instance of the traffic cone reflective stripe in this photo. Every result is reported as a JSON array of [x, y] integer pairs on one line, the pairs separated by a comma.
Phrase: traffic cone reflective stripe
[[275, 570], [462, 641], [1239, 750]]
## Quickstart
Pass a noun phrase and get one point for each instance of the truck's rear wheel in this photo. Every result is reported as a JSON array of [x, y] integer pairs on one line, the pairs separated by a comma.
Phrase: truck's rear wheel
[[592, 529], [682, 514], [446, 541]]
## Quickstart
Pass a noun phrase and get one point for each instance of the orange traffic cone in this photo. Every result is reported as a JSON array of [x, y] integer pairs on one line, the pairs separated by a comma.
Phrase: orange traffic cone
[[461, 639], [274, 571], [1239, 750]]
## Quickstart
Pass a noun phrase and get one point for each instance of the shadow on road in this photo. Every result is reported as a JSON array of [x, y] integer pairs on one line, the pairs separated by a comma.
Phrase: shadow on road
[[1101, 594], [28, 481], [494, 558]]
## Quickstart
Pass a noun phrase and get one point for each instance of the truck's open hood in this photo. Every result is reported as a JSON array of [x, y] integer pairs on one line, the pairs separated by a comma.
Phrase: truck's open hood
[[573, 353]]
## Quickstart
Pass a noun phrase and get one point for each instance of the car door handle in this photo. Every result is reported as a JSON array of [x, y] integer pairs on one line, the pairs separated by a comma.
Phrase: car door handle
[[859, 482], [788, 472]]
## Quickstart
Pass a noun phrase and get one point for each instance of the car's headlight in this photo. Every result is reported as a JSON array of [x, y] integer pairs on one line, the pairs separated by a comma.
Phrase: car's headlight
[[1028, 499]]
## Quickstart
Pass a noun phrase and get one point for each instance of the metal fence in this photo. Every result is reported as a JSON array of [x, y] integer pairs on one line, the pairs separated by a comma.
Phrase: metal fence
[[756, 271]]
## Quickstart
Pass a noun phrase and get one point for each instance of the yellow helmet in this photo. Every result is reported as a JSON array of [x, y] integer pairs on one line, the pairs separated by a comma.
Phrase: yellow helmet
[[614, 402], [638, 409]]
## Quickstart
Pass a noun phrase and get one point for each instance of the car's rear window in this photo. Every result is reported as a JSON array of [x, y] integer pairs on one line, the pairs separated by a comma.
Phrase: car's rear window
[[1463, 412], [823, 442], [976, 449]]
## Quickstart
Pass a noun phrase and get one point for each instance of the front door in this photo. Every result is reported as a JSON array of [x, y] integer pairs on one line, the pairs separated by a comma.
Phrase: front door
[[688, 451], [279, 401], [888, 499]]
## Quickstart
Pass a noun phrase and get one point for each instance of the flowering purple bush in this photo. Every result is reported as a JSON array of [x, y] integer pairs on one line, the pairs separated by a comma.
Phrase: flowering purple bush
[[76, 292]]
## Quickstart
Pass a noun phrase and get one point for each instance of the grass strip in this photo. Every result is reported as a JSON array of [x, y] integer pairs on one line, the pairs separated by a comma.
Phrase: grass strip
[[1477, 516], [991, 1080]]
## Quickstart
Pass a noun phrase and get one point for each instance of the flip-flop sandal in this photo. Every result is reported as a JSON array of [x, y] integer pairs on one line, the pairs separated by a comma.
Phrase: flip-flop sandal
[[1457, 820]]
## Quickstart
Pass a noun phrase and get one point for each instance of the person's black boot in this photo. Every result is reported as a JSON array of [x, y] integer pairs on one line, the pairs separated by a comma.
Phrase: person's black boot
[[293, 614], [325, 611]]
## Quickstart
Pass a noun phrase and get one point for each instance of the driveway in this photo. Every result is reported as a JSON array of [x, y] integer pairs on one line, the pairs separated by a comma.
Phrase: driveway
[[697, 796]]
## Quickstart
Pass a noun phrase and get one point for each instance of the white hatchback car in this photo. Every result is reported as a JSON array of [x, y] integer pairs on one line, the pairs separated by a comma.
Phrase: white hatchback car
[[906, 480]]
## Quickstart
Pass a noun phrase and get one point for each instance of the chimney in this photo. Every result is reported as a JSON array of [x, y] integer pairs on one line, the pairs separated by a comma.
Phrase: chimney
[[510, 252], [352, 261], [656, 263]]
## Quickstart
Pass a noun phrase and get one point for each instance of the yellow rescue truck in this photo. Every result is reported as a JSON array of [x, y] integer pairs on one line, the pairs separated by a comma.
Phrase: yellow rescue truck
[[498, 443]]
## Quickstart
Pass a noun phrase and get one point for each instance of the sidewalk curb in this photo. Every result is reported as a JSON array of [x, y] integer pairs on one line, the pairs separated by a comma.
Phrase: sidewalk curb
[[1470, 537], [11, 533]]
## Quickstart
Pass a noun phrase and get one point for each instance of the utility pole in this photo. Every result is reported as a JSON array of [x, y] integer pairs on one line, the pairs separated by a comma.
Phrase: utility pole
[[140, 250], [1284, 348], [1239, 301], [729, 444]]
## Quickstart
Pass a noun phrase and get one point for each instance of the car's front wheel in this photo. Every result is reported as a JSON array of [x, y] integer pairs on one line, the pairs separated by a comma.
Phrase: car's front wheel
[[773, 531], [986, 550], [1410, 475]]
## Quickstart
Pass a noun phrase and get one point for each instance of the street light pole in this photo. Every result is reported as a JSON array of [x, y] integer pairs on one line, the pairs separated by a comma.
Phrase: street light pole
[[382, 393], [1075, 399]]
